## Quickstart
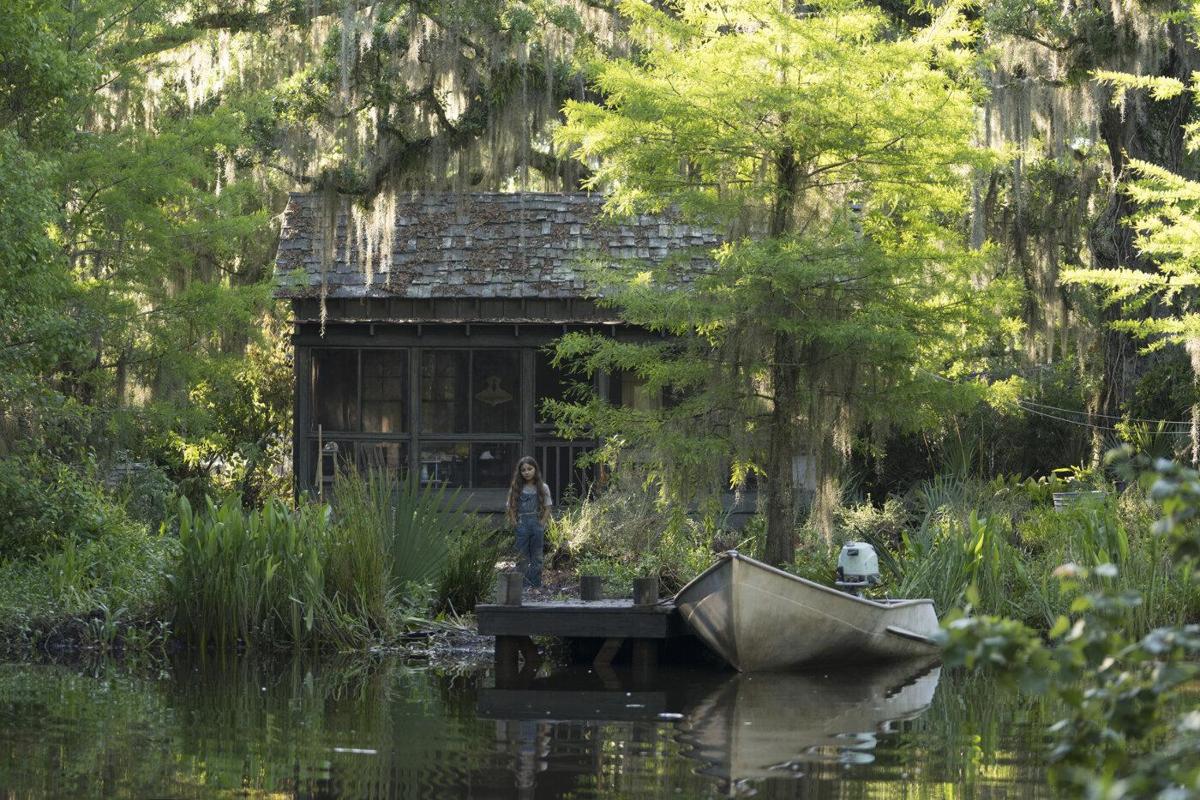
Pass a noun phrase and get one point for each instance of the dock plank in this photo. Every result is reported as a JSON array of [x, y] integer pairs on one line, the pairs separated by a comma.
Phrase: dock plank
[[578, 619]]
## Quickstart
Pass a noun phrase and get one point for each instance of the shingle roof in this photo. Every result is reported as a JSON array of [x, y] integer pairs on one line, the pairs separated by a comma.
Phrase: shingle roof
[[473, 245]]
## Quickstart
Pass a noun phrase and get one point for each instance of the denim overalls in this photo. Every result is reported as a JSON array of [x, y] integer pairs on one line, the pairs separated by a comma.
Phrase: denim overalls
[[531, 534]]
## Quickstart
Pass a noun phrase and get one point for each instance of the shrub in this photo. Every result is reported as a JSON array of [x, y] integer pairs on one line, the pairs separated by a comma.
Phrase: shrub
[[867, 523], [45, 503], [470, 568], [147, 494], [625, 533]]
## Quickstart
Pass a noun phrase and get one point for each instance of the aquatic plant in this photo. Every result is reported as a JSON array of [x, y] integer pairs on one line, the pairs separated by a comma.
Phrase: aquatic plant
[[470, 568], [397, 522], [1120, 736], [251, 576], [1003, 538]]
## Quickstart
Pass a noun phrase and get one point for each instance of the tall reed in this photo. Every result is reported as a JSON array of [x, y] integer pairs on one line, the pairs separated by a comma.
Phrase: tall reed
[[251, 576], [398, 523], [1001, 542], [470, 569]]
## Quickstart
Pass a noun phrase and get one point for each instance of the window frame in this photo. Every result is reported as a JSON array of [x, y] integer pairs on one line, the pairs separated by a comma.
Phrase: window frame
[[412, 438]]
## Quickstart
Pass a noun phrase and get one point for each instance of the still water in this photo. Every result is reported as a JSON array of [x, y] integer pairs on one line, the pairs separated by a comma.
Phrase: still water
[[387, 729]]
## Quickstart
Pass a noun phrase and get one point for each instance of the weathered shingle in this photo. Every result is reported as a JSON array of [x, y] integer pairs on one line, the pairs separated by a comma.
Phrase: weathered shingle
[[473, 245]]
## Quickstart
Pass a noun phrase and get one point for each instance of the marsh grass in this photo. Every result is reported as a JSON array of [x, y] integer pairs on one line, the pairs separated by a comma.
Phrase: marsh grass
[[252, 576], [997, 544], [116, 576], [396, 529], [470, 568], [343, 576]]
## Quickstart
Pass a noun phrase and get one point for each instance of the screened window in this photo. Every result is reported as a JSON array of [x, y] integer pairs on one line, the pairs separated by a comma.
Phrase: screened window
[[464, 429], [335, 389], [493, 463], [331, 457], [551, 383], [470, 391], [635, 394], [447, 463], [495, 391], [390, 457], [444, 391], [384, 391]]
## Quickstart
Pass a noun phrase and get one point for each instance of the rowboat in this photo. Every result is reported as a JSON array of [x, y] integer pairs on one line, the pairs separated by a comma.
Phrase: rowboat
[[762, 619]]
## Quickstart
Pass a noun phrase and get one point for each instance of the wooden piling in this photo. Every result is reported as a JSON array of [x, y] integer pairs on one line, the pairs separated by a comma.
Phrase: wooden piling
[[589, 587], [645, 591], [507, 660], [509, 586], [645, 661]]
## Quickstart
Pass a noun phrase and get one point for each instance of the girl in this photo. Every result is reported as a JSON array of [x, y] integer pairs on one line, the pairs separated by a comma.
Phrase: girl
[[528, 510]]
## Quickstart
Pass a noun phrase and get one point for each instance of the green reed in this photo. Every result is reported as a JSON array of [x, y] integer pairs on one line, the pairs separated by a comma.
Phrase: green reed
[[251, 576], [470, 568], [998, 546], [396, 524]]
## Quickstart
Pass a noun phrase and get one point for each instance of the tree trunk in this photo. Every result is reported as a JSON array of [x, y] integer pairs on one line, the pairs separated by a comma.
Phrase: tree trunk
[[781, 485], [780, 547]]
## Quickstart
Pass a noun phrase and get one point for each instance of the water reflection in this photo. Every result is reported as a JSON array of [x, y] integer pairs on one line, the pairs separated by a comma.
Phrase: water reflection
[[756, 726], [316, 729]]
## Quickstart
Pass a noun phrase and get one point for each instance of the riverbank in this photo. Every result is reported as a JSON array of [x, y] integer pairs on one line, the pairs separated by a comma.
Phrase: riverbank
[[445, 639]]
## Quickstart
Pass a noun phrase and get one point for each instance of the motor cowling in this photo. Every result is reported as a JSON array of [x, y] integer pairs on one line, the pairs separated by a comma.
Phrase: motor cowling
[[858, 567]]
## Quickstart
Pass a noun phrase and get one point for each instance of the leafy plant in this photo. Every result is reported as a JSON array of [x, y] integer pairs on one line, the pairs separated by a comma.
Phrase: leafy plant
[[413, 522], [470, 568], [1117, 686], [252, 576]]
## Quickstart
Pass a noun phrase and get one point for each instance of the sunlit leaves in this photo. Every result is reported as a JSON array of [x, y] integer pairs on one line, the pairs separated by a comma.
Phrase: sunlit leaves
[[1117, 690]]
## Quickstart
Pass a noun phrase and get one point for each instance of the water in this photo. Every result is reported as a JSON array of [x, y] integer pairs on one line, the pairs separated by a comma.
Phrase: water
[[385, 729]]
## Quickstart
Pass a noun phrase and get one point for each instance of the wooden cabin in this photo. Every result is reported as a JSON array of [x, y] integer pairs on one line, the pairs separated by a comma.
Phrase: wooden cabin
[[421, 331]]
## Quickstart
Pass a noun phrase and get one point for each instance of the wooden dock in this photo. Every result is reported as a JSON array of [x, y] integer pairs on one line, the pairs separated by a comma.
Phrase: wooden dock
[[646, 624]]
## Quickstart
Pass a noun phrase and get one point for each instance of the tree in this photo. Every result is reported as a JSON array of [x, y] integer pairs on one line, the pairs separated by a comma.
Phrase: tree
[[1158, 297], [833, 152]]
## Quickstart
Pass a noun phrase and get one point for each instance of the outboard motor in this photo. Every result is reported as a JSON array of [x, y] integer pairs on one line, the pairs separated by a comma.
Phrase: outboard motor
[[858, 567]]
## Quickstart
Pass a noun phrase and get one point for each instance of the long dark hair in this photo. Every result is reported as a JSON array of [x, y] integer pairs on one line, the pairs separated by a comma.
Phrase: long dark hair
[[518, 483]]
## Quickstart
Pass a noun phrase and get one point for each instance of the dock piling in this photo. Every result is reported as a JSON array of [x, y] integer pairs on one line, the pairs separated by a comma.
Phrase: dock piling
[[645, 591], [589, 588], [509, 586]]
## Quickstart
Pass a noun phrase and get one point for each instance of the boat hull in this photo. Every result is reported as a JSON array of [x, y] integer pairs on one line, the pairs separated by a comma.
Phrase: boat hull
[[762, 619]]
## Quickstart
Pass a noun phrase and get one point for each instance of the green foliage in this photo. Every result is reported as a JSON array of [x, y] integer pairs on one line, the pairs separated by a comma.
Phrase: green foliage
[[120, 575], [252, 576], [469, 573], [867, 523], [240, 417], [627, 532], [947, 559], [44, 503], [999, 542], [413, 523], [318, 576], [1167, 208], [839, 273], [134, 267], [147, 494], [1116, 684]]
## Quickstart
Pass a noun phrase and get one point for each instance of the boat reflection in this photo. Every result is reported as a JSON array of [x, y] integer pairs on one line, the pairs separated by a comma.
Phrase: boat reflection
[[765, 725], [741, 728]]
